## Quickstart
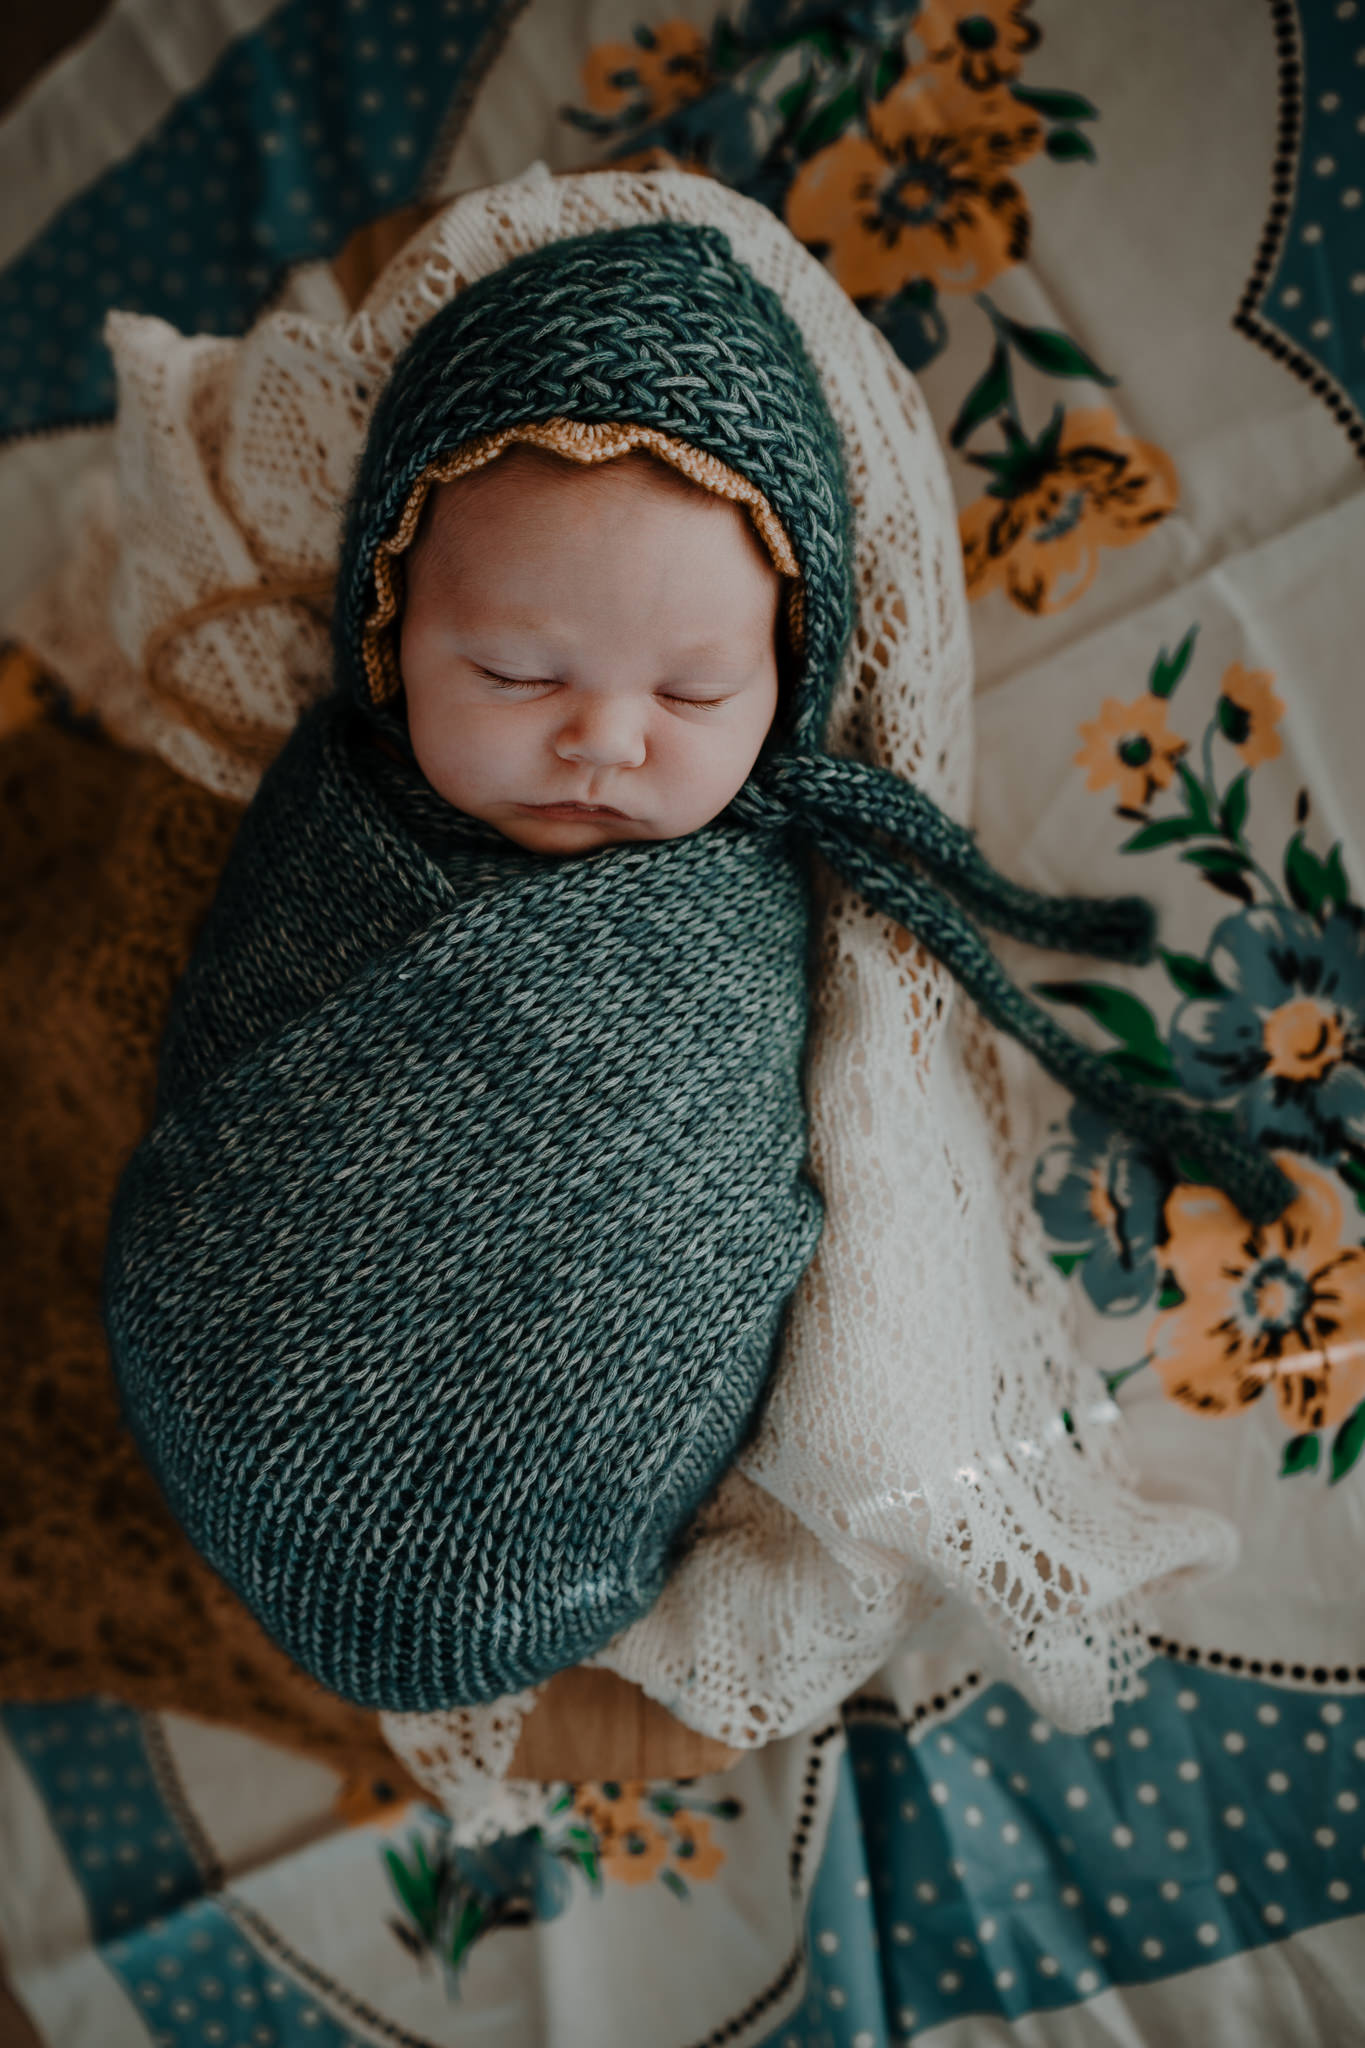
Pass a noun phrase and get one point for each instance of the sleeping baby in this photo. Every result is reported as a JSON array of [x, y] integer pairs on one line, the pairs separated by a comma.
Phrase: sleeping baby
[[452, 1271]]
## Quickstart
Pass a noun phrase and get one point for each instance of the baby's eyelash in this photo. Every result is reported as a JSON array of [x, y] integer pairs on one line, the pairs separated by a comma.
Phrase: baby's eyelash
[[514, 682], [707, 703]]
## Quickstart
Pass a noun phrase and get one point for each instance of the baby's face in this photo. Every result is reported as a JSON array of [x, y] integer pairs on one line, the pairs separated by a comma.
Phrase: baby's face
[[601, 637]]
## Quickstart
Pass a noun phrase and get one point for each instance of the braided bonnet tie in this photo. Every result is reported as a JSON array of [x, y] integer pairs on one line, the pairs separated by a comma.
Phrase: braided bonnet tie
[[836, 803], [660, 326]]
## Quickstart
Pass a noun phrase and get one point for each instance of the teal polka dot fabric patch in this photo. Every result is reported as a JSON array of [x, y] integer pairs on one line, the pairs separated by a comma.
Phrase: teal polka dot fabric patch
[[324, 118], [994, 1866]]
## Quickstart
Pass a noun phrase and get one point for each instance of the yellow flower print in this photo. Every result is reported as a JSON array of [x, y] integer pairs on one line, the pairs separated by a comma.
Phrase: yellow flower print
[[1130, 745], [925, 193], [1100, 488], [1249, 714], [697, 1856], [985, 40], [670, 71], [609, 1810], [1280, 1305]]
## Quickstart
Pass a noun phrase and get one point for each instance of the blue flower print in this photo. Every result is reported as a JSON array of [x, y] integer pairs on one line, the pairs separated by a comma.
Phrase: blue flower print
[[1099, 1195], [1286, 1035]]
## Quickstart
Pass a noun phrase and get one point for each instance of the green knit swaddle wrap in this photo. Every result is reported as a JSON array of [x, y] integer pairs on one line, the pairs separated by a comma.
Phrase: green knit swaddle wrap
[[447, 1281]]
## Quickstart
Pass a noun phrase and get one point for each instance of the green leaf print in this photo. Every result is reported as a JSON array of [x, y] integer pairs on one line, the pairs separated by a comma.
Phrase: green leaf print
[[1191, 975], [830, 122], [1119, 1012], [1305, 877], [1167, 669], [1233, 814], [1069, 146], [1162, 832], [985, 398], [1056, 106], [1055, 353], [1300, 1455], [1348, 1443], [1224, 867], [1196, 798]]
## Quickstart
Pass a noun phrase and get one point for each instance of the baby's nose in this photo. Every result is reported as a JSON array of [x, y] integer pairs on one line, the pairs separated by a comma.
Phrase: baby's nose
[[604, 732]]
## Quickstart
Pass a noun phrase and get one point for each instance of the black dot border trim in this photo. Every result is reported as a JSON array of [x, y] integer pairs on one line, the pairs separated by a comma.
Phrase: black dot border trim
[[1249, 319], [1279, 1670], [873, 1707]]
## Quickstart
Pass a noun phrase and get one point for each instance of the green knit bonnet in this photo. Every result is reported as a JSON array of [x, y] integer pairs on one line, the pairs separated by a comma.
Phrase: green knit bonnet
[[660, 328]]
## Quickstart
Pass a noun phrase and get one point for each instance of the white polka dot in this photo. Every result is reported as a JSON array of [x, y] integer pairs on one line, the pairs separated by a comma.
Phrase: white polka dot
[[1139, 1738], [1152, 1948], [1177, 1839], [902, 1934], [1233, 1817], [958, 1868], [828, 1942], [836, 1995], [1325, 166], [1117, 1904], [861, 1888], [926, 1892], [1048, 1965], [1347, 1801], [1069, 1895], [1140, 1689], [1170, 1890], [1009, 1833], [862, 2039], [1147, 1794], [1122, 1838], [1226, 1882], [1207, 1933], [946, 1744], [1019, 1783], [1277, 1782], [1272, 1915], [949, 1981], [1315, 1739], [1098, 1945], [1103, 1748], [987, 1930], [1276, 1860], [1338, 1891], [1087, 1981], [909, 1810], [1325, 1838], [972, 1815], [1267, 1714], [1312, 233], [1077, 1796], [964, 1946], [907, 2017], [1040, 1731], [1023, 1890], [1331, 1713], [1351, 196], [1234, 1743], [980, 1767], [1004, 1980], [996, 1716], [1345, 9], [1187, 1701], [938, 1792], [1329, 102], [1358, 285], [1189, 1770]]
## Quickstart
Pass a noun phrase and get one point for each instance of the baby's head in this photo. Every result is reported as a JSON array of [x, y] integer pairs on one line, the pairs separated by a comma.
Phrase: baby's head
[[600, 636], [599, 549]]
